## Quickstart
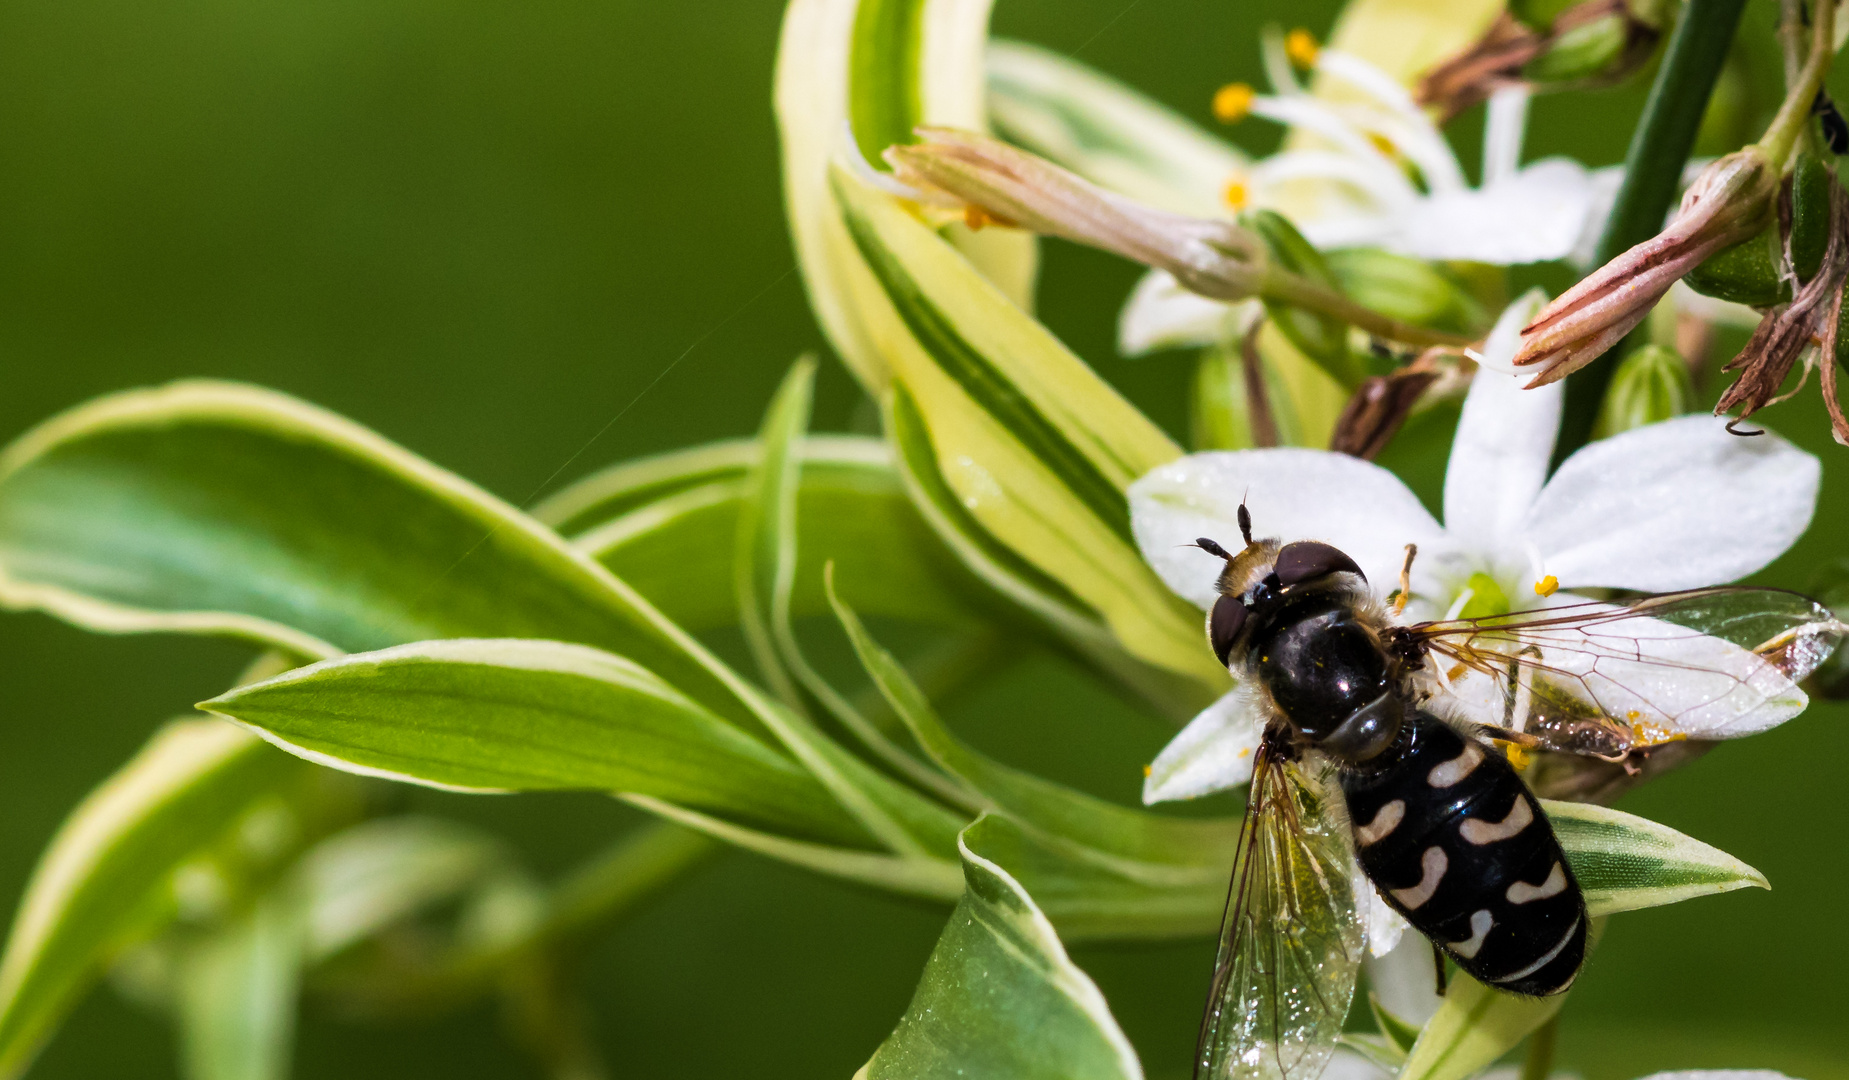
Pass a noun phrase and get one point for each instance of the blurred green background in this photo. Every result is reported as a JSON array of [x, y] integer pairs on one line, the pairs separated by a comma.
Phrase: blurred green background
[[486, 229]]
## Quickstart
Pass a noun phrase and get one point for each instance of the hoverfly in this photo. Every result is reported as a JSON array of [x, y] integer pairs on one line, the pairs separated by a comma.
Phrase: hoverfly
[[1365, 758]]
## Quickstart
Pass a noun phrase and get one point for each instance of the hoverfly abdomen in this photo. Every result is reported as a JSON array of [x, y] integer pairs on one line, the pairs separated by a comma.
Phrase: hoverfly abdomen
[[1458, 845]]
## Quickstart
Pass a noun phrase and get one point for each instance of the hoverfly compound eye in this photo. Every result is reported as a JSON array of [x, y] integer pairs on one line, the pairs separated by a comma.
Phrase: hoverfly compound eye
[[1223, 626], [1304, 560]]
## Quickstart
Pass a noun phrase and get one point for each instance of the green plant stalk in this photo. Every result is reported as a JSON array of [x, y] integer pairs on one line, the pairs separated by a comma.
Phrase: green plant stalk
[[1652, 172], [1286, 287]]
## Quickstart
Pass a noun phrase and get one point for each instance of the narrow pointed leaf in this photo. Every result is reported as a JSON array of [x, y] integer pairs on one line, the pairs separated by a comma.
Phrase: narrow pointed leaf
[[767, 577], [1036, 446], [1107, 132], [1137, 843], [1177, 694], [519, 715], [1624, 862], [764, 571], [999, 997], [666, 525], [218, 508], [105, 880]]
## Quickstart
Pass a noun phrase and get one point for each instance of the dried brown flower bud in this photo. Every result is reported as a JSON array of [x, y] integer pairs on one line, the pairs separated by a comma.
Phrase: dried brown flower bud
[[1728, 202], [1213, 258], [1786, 332], [1592, 43]]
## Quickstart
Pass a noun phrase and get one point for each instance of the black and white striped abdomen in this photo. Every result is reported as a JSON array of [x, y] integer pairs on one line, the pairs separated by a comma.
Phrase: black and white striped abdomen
[[1459, 846]]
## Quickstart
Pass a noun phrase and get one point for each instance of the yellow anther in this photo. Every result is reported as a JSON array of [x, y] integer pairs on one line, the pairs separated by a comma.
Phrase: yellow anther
[[1518, 757], [1236, 194], [1232, 102], [1547, 586], [1243, 752], [1383, 144], [976, 217], [1300, 45], [1147, 769]]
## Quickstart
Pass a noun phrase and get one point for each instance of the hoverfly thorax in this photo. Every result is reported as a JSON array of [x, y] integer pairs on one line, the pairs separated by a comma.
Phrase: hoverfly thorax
[[1298, 619]]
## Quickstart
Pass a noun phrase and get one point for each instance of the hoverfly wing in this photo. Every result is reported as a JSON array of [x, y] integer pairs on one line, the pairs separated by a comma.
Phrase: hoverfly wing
[[1291, 941], [1600, 679]]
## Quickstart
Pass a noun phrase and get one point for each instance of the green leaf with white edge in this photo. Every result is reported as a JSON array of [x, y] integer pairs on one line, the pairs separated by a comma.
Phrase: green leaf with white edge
[[1137, 844], [1035, 445], [1093, 898], [1000, 997], [886, 65], [665, 526], [1624, 862], [1177, 695], [105, 880], [764, 570], [767, 575], [1107, 132], [521, 715], [209, 507], [237, 994], [362, 879], [921, 875]]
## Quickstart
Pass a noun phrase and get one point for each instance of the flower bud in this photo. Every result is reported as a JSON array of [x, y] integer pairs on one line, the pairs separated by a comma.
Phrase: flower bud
[[1408, 289], [1545, 46], [1651, 384], [1213, 258], [1727, 203]]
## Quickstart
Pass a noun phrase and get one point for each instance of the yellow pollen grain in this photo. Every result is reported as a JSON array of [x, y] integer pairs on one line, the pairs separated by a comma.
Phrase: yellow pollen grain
[[1300, 45], [1649, 734], [1547, 586], [1244, 753], [1518, 757], [1232, 102], [1455, 673], [1235, 193]]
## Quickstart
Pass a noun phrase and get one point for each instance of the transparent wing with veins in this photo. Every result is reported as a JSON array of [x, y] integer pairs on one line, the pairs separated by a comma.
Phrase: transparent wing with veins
[[1291, 943], [1601, 679]]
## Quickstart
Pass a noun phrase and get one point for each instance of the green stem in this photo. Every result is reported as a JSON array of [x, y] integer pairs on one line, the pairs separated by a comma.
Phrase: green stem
[[1782, 136], [1539, 1060], [1288, 288], [1660, 147]]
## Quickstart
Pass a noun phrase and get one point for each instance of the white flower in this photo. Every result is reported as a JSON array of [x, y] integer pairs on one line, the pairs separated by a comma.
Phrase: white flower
[[1352, 189], [1675, 505]]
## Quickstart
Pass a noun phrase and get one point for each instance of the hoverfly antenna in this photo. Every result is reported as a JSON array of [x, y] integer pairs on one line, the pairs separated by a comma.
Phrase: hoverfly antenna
[[1245, 521], [1211, 548]]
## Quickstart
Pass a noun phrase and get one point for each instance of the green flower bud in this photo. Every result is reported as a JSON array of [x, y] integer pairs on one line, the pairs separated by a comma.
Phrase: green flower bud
[[1747, 272], [1651, 384], [1408, 289], [1323, 339], [1586, 51]]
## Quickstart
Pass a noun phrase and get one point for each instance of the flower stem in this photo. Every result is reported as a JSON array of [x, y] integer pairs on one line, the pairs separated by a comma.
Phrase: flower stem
[[1782, 136], [1652, 172], [1285, 287], [1539, 1059]]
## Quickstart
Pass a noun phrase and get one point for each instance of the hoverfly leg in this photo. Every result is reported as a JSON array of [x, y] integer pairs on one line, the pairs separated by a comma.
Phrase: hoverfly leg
[[1405, 593], [1438, 967]]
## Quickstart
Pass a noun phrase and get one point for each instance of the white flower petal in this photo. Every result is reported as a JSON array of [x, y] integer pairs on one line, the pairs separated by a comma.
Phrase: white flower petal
[[1504, 440], [1213, 753], [1504, 131], [1408, 126], [1406, 981], [1675, 505], [1160, 314], [1381, 925], [1292, 494], [1537, 215], [1668, 680]]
